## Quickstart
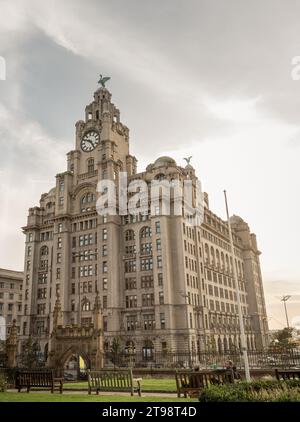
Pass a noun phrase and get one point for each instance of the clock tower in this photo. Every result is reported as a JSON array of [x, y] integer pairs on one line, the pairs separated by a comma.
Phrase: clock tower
[[103, 138]]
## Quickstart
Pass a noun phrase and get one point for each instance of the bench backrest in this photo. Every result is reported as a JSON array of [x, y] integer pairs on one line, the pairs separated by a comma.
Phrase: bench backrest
[[35, 378], [190, 380], [287, 374], [110, 381], [195, 379]]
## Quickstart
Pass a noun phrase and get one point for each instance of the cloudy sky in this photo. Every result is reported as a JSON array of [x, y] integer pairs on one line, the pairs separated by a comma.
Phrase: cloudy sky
[[206, 78]]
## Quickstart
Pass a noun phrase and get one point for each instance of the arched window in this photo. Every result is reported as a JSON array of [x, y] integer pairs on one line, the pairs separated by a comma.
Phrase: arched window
[[231, 344], [148, 350], [212, 253], [225, 343], [218, 257], [86, 201], [88, 198], [145, 232], [231, 265], [206, 250], [129, 235], [44, 251], [90, 165], [160, 177], [227, 263], [222, 260], [219, 345], [130, 347]]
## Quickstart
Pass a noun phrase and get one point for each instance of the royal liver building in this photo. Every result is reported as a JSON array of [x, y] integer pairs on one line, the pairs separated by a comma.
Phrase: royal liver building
[[164, 285]]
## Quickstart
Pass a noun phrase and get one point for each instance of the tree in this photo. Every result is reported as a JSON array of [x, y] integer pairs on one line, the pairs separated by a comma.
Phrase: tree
[[115, 350], [31, 352], [283, 339]]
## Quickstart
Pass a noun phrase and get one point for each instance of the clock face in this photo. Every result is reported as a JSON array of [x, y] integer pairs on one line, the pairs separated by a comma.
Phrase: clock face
[[89, 141]]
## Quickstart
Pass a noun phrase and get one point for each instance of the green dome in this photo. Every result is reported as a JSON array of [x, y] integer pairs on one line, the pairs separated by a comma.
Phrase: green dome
[[164, 161]]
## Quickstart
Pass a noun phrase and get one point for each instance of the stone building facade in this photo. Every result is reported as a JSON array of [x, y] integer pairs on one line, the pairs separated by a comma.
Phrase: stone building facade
[[11, 286], [163, 284]]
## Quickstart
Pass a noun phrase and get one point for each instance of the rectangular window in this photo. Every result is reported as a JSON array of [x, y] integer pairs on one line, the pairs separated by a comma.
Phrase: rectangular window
[[161, 298], [131, 301], [42, 293], [159, 262], [41, 308], [146, 264], [29, 251], [104, 302], [162, 321], [104, 267], [59, 243], [73, 289], [104, 250], [157, 227], [149, 322], [105, 281], [58, 259], [59, 227], [158, 244], [105, 323], [146, 281], [148, 299], [130, 283], [130, 266], [160, 279], [104, 234], [132, 323], [146, 248]]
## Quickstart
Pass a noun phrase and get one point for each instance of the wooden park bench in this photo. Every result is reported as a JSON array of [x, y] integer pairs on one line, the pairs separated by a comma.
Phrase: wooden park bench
[[287, 374], [192, 382], [38, 378], [113, 381]]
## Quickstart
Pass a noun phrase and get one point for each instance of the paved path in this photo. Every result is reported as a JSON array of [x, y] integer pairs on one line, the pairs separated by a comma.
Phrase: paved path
[[103, 393]]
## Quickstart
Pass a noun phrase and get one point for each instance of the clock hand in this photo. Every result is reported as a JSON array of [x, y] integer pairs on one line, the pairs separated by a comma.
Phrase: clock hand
[[90, 142]]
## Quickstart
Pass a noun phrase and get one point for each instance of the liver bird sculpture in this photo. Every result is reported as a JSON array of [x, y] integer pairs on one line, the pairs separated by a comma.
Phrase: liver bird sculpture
[[103, 79], [188, 159]]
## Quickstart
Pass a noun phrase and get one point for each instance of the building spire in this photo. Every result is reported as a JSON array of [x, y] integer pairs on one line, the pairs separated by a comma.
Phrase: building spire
[[97, 313], [57, 313]]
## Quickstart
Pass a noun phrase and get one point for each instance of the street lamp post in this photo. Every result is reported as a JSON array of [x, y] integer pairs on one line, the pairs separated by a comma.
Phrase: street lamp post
[[284, 299], [241, 321]]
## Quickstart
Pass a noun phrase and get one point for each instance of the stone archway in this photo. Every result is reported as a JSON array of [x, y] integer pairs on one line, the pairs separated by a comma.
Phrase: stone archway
[[83, 340], [65, 357], [76, 340]]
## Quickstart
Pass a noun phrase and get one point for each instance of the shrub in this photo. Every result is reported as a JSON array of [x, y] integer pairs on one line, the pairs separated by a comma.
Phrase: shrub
[[3, 383], [261, 391]]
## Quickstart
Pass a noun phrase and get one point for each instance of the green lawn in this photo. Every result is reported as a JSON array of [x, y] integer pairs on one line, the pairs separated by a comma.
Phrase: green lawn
[[148, 384], [48, 397]]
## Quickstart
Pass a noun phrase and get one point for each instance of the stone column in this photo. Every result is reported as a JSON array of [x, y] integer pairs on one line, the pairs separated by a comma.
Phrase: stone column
[[12, 346]]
